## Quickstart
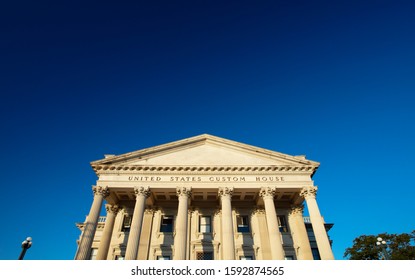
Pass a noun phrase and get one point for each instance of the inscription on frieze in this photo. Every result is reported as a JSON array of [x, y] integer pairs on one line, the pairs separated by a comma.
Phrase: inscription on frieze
[[206, 178]]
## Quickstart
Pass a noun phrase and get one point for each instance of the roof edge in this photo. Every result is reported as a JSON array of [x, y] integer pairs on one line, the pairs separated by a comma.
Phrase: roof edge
[[201, 138]]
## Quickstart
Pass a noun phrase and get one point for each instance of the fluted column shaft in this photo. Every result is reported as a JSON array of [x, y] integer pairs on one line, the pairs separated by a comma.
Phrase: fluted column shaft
[[323, 243], [134, 237], [228, 239], [299, 233], [104, 244], [180, 237], [277, 251], [91, 223]]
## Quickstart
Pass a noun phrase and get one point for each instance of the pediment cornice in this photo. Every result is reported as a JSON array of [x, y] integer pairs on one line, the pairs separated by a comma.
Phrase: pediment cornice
[[144, 169]]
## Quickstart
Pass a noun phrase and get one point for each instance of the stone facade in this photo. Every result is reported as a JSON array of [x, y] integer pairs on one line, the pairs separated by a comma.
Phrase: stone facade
[[204, 197]]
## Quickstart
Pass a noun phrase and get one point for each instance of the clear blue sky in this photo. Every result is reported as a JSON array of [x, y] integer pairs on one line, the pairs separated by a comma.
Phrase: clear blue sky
[[334, 80]]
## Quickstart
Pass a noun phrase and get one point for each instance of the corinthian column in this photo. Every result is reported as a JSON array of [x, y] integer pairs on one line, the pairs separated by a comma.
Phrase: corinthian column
[[91, 223], [104, 245], [299, 233], [141, 194], [323, 243], [228, 239], [277, 251], [180, 237]]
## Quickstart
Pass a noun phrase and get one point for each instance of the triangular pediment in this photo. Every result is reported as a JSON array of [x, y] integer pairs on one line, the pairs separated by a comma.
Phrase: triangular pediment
[[205, 150]]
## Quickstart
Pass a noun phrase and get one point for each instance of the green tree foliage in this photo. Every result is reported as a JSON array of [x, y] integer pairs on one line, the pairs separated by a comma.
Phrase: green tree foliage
[[398, 247]]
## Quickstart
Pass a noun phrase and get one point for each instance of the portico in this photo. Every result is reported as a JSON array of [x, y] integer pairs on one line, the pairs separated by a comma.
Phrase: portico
[[203, 197]]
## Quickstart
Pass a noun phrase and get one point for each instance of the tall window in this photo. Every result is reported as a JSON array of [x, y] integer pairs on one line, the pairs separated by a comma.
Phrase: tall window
[[166, 224], [204, 256], [316, 254], [205, 224], [243, 223], [126, 224], [282, 223], [94, 252]]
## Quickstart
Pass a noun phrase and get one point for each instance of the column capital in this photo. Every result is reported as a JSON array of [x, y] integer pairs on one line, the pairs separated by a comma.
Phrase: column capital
[[100, 190], [258, 211], [142, 191], [225, 191], [296, 210], [112, 208], [267, 192], [217, 213], [183, 191], [309, 192], [149, 210]]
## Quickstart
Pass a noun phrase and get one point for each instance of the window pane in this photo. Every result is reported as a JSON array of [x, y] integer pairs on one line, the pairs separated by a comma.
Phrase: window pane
[[166, 224], [204, 256], [167, 220], [204, 224], [205, 228], [243, 225], [316, 254], [204, 220], [94, 252], [126, 224], [282, 223]]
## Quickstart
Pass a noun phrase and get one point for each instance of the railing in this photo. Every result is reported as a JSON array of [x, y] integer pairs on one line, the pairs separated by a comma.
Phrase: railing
[[307, 220]]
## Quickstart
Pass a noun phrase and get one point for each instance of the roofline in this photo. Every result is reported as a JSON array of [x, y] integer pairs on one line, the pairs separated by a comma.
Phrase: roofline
[[203, 137]]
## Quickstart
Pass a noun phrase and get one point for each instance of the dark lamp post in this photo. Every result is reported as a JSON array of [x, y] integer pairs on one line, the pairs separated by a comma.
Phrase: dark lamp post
[[25, 245]]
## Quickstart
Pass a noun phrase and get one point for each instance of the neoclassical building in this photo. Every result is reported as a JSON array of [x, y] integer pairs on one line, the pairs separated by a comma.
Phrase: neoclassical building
[[204, 197]]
